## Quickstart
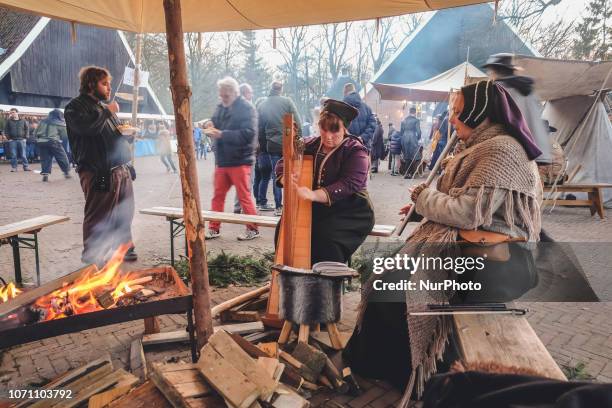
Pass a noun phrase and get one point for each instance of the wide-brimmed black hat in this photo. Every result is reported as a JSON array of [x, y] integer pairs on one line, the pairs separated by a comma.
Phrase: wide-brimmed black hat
[[503, 60], [341, 109]]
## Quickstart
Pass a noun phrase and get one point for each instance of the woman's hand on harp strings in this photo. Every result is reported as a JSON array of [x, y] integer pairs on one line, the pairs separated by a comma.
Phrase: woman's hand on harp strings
[[317, 196]]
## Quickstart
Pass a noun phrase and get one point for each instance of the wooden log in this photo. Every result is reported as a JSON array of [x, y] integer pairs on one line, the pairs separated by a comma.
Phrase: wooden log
[[233, 386], [138, 363], [178, 336], [271, 349], [144, 396], [313, 358], [237, 357], [331, 371], [239, 316], [303, 370], [228, 304], [139, 281], [194, 224], [323, 339], [265, 336]]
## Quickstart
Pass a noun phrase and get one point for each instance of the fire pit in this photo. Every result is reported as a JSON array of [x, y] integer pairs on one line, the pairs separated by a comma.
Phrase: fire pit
[[90, 298]]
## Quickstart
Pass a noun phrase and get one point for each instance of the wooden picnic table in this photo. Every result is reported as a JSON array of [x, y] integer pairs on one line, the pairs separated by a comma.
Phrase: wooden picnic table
[[594, 194], [11, 234], [174, 216]]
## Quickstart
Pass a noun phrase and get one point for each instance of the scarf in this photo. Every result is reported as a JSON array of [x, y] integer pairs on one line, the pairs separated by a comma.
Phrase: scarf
[[491, 161]]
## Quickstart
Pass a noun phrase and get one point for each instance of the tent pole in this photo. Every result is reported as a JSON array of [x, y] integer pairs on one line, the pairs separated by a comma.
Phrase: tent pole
[[194, 224], [136, 85]]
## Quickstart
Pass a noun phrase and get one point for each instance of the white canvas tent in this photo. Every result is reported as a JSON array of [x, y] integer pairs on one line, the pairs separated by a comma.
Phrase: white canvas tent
[[435, 89], [583, 127], [585, 132]]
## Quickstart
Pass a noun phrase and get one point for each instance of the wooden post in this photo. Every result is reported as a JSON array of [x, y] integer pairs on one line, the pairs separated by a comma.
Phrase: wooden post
[[194, 224], [136, 86]]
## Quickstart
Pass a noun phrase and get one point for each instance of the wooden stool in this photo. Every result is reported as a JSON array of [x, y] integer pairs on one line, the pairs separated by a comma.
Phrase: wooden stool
[[304, 333]]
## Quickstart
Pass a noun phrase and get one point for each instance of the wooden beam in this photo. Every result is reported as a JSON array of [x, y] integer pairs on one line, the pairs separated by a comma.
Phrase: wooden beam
[[194, 224], [238, 300], [506, 340]]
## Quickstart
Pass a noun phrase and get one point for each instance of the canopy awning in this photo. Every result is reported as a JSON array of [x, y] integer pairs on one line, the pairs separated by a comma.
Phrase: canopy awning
[[435, 89], [556, 79], [147, 16]]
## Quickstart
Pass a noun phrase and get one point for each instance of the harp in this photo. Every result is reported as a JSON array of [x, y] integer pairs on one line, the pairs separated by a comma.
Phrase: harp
[[293, 246]]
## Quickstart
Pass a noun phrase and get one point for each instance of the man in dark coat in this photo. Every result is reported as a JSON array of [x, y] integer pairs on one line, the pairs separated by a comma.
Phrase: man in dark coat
[[378, 146], [235, 124], [364, 124], [411, 142], [16, 131], [102, 155], [395, 150]]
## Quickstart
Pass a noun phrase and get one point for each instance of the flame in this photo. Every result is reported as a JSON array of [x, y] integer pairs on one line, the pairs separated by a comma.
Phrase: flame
[[79, 296], [9, 291]]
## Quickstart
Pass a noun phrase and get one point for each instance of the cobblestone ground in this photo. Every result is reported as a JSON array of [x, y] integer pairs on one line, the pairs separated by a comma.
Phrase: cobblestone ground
[[574, 333]]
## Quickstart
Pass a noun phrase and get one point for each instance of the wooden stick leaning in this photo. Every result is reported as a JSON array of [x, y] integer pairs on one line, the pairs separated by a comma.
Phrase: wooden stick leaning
[[447, 149]]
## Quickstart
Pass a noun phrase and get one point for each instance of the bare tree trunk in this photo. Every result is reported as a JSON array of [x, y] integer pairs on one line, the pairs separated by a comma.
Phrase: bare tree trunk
[[194, 224]]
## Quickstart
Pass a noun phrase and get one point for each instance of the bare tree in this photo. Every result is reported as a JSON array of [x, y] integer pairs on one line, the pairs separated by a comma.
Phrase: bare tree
[[336, 38], [293, 42]]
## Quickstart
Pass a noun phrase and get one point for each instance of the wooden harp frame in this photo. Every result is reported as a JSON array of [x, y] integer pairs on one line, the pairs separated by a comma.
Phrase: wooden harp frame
[[293, 247]]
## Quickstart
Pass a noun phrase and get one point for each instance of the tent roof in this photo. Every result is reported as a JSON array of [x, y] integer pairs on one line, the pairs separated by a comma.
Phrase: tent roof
[[556, 79], [447, 38], [223, 15], [435, 89]]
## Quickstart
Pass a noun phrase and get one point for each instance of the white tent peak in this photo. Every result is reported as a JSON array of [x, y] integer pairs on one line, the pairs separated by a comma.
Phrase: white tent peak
[[435, 89]]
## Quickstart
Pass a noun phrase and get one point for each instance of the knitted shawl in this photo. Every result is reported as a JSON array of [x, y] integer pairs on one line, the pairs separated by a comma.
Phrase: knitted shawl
[[491, 161]]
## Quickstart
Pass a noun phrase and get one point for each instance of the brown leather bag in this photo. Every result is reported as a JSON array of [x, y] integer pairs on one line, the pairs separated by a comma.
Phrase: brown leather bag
[[486, 244]]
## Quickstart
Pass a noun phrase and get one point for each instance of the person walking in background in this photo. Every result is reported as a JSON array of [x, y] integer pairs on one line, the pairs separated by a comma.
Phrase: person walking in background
[[197, 139], [395, 150], [31, 150], [411, 142], [246, 91], [16, 131], [235, 124], [165, 150], [49, 135], [364, 124], [442, 139], [378, 146], [204, 143], [270, 112], [150, 131]]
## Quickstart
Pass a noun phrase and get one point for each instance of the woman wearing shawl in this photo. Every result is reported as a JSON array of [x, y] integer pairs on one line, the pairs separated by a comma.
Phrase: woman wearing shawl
[[491, 185], [49, 137]]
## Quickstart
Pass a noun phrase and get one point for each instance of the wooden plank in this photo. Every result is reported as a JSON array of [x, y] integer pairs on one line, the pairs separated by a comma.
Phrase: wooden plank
[[269, 364], [104, 398], [506, 340], [577, 187], [233, 386], [568, 203], [182, 384], [271, 349], [30, 225], [103, 384], [30, 296], [241, 328], [379, 230], [144, 396], [322, 338], [165, 337], [224, 345], [138, 363]]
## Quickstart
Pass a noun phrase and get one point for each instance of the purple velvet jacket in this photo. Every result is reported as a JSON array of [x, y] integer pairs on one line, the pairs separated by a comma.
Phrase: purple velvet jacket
[[342, 173]]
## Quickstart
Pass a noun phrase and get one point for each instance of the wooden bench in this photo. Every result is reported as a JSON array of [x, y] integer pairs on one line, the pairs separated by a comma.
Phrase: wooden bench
[[594, 192], [174, 216], [503, 339], [11, 234]]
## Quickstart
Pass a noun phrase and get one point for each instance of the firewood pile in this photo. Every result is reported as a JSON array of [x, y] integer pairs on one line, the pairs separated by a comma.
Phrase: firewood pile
[[242, 366]]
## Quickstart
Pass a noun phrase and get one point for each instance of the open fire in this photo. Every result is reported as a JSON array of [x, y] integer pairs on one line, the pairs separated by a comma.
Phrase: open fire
[[9, 291]]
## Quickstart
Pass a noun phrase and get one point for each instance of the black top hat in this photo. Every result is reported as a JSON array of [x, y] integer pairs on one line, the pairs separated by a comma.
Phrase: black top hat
[[341, 109], [503, 60]]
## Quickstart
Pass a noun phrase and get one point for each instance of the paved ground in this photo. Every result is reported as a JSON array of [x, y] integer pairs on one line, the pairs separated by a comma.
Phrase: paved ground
[[573, 333]]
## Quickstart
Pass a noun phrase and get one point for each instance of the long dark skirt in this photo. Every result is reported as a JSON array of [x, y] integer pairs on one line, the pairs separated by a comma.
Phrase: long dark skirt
[[338, 230]]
